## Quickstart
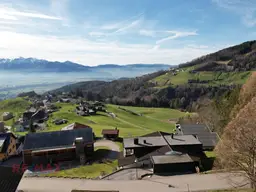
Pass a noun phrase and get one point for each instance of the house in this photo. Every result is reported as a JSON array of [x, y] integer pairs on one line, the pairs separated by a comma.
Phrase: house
[[9, 179], [208, 138], [110, 133], [7, 115], [163, 152], [38, 116], [52, 147], [75, 126], [7, 145]]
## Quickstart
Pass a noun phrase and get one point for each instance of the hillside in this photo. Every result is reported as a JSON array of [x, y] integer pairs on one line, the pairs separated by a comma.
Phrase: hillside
[[178, 87], [127, 121], [236, 58]]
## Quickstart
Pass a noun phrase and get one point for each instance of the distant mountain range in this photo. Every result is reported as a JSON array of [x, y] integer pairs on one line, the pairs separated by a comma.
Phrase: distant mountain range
[[39, 65]]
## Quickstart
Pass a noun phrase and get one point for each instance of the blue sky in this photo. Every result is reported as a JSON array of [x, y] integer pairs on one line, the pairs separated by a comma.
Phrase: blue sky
[[93, 32]]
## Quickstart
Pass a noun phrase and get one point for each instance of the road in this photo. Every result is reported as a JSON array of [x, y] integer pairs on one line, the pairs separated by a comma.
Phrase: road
[[115, 149], [193, 182]]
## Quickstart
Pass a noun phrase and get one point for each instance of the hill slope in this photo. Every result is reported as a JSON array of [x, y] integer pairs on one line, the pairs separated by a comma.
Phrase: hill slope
[[178, 87]]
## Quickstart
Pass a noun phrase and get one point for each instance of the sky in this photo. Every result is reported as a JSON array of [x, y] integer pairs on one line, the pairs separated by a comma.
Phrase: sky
[[93, 32]]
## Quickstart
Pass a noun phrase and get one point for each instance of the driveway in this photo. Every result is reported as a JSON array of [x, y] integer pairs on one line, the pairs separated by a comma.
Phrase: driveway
[[115, 149], [193, 182]]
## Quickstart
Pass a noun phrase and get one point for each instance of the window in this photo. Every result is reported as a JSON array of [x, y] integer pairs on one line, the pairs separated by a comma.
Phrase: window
[[10, 150], [13, 146], [129, 152]]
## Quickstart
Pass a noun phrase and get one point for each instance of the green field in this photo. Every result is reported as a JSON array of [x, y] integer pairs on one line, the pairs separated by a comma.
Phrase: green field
[[152, 119], [216, 78]]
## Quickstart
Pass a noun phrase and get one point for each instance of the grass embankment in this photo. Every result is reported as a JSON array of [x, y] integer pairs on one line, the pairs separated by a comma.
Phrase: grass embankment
[[215, 78], [89, 171], [17, 106]]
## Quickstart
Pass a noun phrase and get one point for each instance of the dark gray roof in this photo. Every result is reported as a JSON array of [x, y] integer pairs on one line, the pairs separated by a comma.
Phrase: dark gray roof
[[56, 139], [158, 141], [9, 179], [150, 142], [168, 159], [182, 140], [205, 136]]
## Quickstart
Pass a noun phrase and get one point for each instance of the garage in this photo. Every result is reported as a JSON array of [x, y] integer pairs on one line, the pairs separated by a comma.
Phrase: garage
[[173, 164]]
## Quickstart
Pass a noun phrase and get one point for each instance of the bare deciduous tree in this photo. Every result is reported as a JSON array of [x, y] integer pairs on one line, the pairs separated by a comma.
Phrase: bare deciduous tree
[[237, 149]]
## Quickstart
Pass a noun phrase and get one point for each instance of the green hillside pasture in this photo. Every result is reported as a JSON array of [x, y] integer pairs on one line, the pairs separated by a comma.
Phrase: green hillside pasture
[[128, 124], [17, 106], [160, 114], [216, 78]]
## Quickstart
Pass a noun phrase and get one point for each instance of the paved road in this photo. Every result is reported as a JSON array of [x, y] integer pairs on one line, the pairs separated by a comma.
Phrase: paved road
[[111, 145], [192, 182]]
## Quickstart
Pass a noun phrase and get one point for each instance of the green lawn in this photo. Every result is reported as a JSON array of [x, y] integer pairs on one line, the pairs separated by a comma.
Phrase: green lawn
[[89, 171], [216, 78], [17, 106], [210, 154]]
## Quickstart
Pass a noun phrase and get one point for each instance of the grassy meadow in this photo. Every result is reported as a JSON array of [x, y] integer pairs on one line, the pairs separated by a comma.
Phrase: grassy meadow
[[152, 119], [216, 78]]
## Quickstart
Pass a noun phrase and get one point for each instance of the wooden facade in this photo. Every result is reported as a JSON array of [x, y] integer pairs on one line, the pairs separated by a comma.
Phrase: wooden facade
[[55, 155]]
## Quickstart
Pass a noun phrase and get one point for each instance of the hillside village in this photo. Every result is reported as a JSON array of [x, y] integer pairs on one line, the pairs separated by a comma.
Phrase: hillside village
[[23, 141]]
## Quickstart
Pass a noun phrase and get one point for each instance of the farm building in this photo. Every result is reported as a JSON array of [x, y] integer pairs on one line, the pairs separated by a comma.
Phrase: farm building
[[75, 126], [205, 136], [60, 146], [163, 152], [7, 115], [7, 145], [110, 133]]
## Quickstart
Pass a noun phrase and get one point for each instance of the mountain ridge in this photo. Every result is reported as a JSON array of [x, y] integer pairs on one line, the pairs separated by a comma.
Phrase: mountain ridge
[[42, 65]]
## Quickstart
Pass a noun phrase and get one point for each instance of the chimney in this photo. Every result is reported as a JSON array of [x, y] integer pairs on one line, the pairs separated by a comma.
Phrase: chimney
[[172, 135], [136, 141], [144, 141]]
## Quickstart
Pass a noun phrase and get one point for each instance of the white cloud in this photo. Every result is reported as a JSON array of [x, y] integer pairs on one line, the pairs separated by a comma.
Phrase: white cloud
[[177, 34], [13, 14], [245, 8], [89, 52], [96, 33], [148, 33]]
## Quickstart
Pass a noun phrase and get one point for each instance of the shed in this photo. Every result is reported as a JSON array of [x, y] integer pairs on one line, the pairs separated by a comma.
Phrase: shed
[[7, 115], [110, 133], [176, 163]]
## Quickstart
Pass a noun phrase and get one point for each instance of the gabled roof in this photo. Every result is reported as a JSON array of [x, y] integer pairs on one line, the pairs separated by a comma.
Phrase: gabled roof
[[110, 132], [9, 180], [56, 139], [5, 141], [75, 126]]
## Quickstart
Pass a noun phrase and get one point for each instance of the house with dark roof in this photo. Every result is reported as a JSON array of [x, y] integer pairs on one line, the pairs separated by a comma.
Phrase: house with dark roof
[[208, 138], [110, 133], [163, 152], [7, 145], [9, 179], [56, 146]]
